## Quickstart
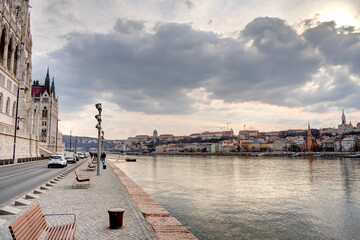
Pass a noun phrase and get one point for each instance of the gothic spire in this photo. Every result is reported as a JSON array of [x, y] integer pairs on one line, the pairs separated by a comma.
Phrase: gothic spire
[[47, 78], [343, 118], [52, 85], [47, 82], [310, 136]]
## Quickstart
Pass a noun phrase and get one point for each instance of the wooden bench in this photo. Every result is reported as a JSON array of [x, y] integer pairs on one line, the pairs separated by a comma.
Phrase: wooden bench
[[81, 179], [32, 225], [91, 167]]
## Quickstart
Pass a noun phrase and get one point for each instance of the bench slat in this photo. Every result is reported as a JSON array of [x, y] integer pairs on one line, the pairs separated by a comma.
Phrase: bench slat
[[60, 232], [36, 225], [66, 231], [54, 233], [70, 235]]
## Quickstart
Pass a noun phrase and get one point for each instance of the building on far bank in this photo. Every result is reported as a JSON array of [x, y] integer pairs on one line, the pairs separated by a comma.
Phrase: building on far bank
[[246, 134], [310, 144], [343, 128]]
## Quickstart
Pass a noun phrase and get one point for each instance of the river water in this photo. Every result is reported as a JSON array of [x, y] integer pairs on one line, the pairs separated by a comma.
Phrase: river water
[[254, 198]]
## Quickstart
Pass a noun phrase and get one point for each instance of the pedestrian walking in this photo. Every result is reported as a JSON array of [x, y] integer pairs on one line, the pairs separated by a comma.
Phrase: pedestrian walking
[[103, 156]]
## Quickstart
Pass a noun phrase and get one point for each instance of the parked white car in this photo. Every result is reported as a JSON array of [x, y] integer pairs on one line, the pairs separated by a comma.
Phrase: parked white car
[[57, 160], [81, 155]]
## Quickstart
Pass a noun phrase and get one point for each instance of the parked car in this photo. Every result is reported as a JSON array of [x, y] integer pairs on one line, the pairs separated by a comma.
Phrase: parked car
[[57, 160], [81, 155], [70, 157], [76, 156]]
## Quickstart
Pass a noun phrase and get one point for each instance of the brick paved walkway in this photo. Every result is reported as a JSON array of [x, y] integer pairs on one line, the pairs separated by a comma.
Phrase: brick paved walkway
[[90, 206]]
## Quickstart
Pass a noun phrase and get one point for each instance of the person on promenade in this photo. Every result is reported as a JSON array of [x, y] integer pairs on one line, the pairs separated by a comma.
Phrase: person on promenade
[[94, 158], [91, 155], [103, 156]]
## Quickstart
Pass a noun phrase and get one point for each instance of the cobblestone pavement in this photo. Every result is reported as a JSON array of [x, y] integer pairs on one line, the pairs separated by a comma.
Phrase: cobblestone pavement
[[90, 206]]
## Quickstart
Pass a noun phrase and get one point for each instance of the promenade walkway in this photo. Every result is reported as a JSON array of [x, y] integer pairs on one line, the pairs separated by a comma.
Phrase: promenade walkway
[[90, 206]]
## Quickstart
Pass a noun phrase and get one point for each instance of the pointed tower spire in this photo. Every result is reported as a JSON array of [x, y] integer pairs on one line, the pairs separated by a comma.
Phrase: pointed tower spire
[[52, 86], [343, 118], [310, 136], [47, 78], [47, 82]]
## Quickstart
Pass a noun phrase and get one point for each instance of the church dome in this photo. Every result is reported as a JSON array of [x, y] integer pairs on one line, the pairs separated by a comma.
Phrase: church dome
[[155, 133]]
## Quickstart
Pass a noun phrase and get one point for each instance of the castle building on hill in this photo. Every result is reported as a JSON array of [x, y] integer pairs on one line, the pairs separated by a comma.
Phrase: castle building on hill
[[343, 128], [310, 144]]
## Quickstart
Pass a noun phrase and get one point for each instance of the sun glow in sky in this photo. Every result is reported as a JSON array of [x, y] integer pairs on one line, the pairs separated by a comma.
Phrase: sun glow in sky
[[342, 16]]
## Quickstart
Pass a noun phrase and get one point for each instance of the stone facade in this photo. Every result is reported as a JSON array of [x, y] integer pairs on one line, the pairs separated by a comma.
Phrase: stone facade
[[15, 82], [46, 104]]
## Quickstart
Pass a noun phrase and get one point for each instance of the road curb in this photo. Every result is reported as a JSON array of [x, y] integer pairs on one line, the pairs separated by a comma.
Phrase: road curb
[[22, 202], [7, 210]]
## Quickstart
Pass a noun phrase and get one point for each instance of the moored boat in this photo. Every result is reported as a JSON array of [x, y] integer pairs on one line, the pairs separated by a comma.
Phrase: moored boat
[[130, 159]]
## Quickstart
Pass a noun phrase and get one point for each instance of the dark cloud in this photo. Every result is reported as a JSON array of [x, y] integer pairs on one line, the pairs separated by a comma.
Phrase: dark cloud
[[339, 46], [153, 72], [128, 27]]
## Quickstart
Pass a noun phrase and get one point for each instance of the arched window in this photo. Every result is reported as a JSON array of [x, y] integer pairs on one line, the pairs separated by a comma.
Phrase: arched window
[[14, 109], [1, 102], [43, 132], [44, 113], [2, 45], [28, 73], [8, 106], [16, 58], [10, 51]]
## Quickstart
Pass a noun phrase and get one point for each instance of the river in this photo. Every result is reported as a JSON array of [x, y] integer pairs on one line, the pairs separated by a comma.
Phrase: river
[[254, 198]]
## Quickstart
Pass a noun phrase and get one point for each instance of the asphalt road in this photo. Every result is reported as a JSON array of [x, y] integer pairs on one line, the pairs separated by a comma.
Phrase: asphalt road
[[17, 180]]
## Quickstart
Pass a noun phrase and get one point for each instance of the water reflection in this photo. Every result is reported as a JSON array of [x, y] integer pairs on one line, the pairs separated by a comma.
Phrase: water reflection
[[253, 198]]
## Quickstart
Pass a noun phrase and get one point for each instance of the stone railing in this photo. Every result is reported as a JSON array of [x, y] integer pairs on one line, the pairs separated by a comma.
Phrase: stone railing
[[22, 160]]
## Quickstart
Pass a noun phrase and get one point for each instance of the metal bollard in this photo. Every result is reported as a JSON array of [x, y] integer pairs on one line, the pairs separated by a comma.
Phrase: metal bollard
[[116, 217]]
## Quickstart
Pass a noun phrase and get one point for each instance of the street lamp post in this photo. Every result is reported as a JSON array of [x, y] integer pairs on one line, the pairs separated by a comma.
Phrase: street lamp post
[[16, 121], [75, 143], [57, 129], [98, 126], [70, 139], [102, 141]]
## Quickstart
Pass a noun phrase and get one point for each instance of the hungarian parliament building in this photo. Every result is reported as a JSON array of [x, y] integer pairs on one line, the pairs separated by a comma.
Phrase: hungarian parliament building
[[28, 110]]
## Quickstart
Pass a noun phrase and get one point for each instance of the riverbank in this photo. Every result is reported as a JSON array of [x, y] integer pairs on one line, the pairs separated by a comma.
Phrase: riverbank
[[331, 155], [164, 225]]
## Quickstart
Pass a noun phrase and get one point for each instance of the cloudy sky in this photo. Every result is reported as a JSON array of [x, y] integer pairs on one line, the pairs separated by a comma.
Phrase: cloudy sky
[[186, 66]]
